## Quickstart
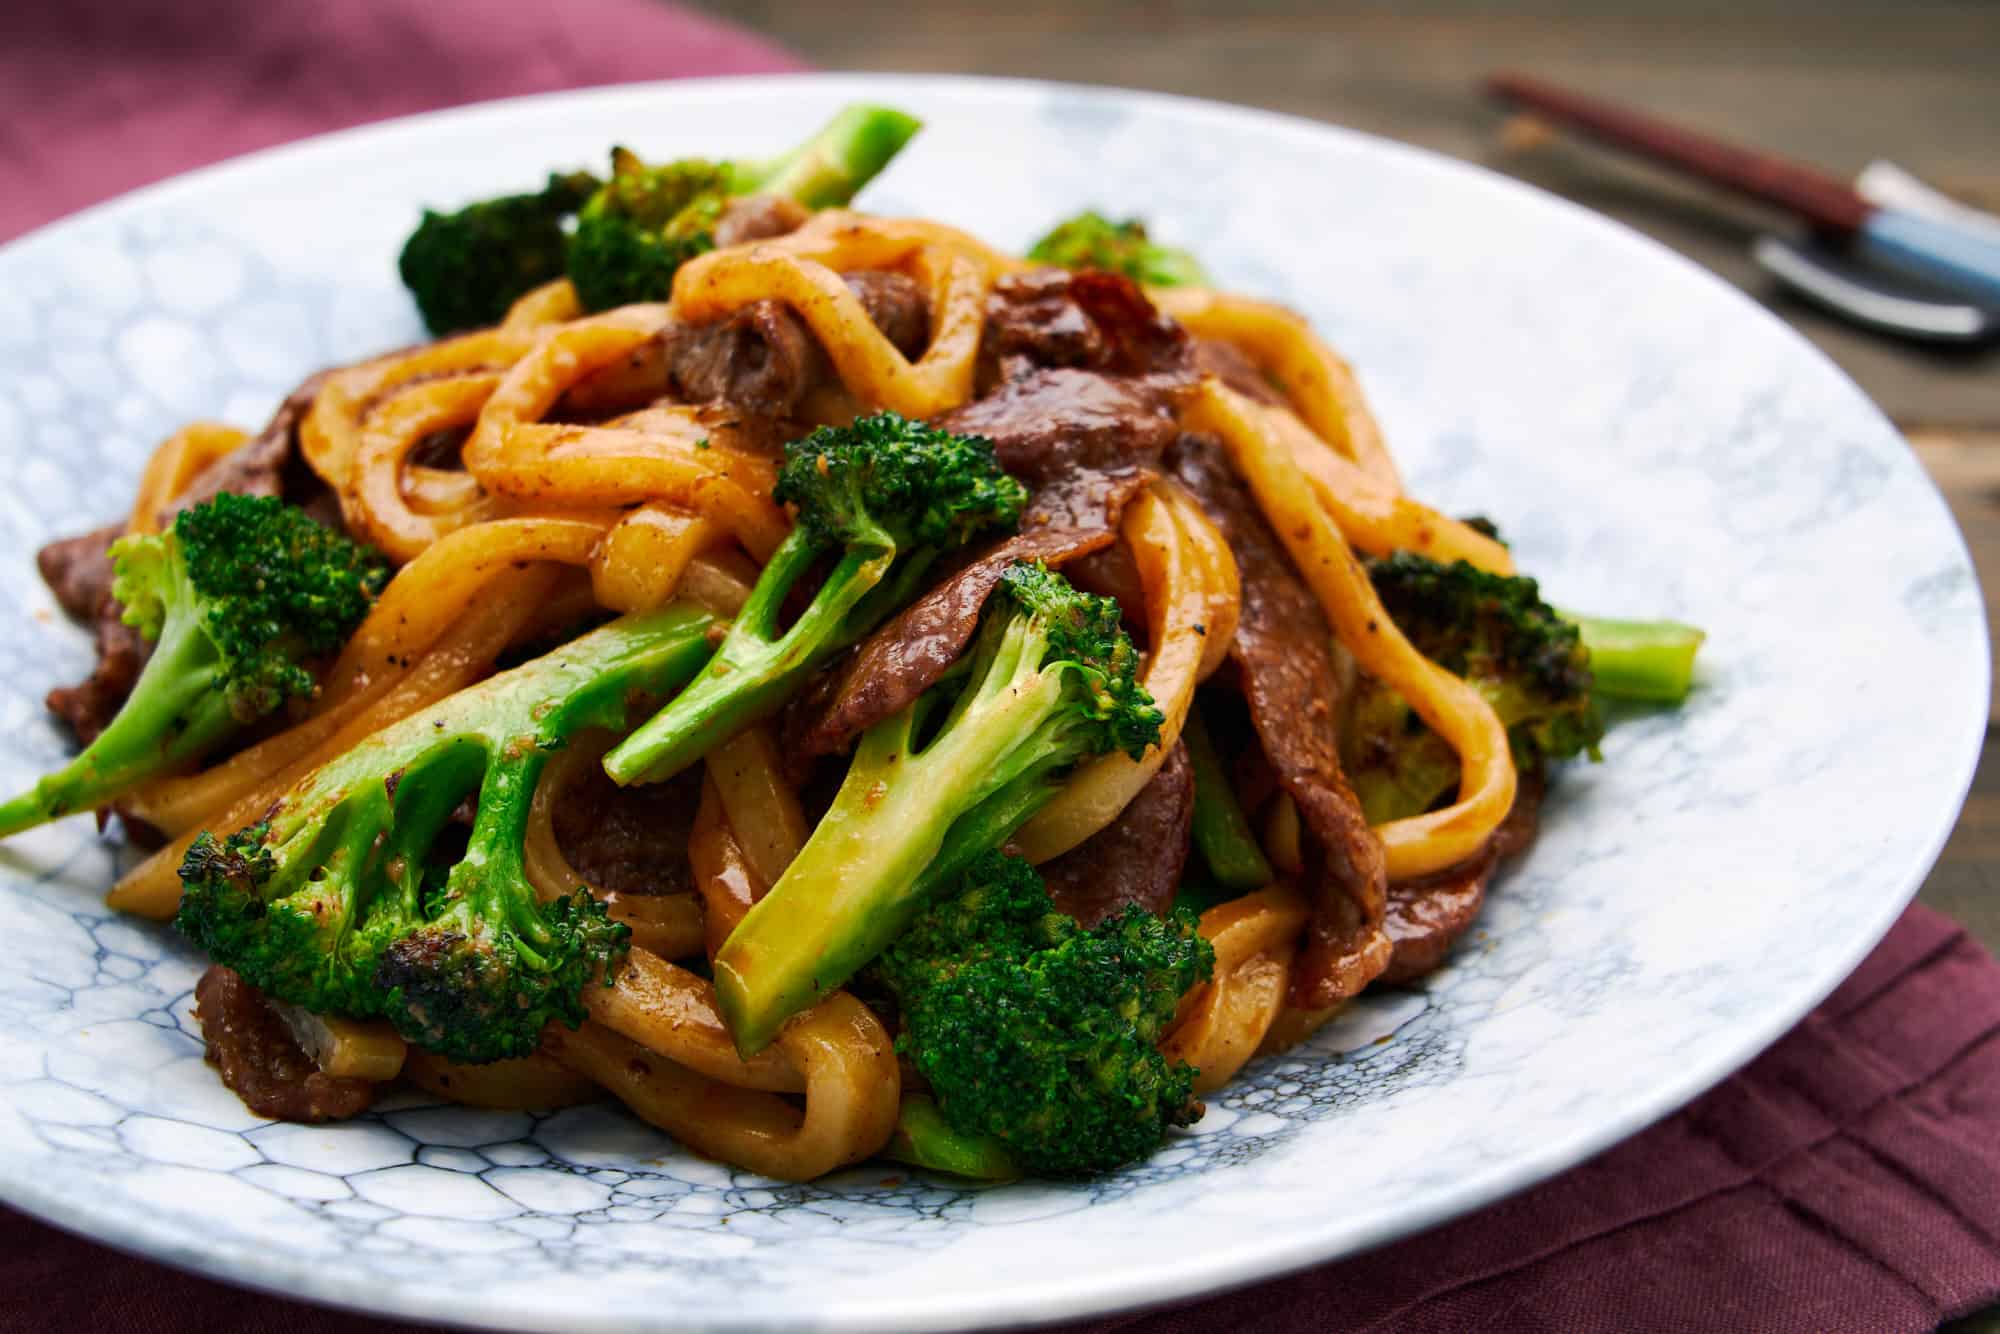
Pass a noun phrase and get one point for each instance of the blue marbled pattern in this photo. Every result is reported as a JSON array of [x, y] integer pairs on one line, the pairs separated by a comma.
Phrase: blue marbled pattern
[[1650, 440]]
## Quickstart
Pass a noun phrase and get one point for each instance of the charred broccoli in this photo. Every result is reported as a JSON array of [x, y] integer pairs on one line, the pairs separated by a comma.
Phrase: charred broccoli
[[884, 497], [1497, 633], [346, 900], [466, 268], [1048, 682], [238, 596], [1538, 667], [649, 220], [1093, 241], [1040, 1034]]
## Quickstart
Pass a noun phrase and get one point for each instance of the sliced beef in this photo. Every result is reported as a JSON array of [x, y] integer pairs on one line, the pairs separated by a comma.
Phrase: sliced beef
[[762, 358], [1112, 573], [1137, 858], [261, 1062], [1285, 670], [1032, 322], [78, 569], [908, 655], [629, 840], [1048, 424], [1051, 318], [90, 705], [1427, 916], [758, 218], [1227, 363], [897, 305]]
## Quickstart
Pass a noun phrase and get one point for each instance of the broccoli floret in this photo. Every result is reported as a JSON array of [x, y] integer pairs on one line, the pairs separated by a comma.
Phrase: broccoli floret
[[883, 498], [238, 596], [466, 268], [1494, 631], [1538, 667], [1049, 681], [642, 226], [649, 220], [1093, 241], [1040, 1034], [344, 899]]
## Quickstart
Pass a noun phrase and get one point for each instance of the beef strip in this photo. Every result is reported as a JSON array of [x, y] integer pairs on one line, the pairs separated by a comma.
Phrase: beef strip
[[1051, 423], [79, 572], [758, 218], [1426, 916], [90, 705], [629, 840], [1284, 665], [78, 569], [1112, 573], [761, 358], [1051, 318], [261, 1062], [1226, 362], [908, 655], [1137, 858], [898, 307]]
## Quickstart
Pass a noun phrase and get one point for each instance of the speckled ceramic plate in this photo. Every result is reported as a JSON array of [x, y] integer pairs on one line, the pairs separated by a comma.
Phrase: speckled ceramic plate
[[1653, 443]]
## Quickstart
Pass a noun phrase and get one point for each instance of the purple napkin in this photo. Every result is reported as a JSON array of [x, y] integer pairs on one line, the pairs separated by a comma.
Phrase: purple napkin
[[100, 96], [1848, 1180]]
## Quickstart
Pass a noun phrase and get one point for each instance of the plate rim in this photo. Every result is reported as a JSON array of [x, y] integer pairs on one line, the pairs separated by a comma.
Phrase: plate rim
[[1207, 1274]]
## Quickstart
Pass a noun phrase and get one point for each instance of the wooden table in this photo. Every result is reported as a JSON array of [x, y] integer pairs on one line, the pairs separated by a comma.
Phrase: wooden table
[[1832, 82]]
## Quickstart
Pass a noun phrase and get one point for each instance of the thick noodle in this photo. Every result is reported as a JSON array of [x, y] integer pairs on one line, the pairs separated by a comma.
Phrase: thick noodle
[[657, 1042], [760, 806], [1448, 706], [1190, 583], [803, 270], [665, 925], [852, 1092], [536, 1082], [698, 458], [380, 500], [1221, 1025], [1317, 380]]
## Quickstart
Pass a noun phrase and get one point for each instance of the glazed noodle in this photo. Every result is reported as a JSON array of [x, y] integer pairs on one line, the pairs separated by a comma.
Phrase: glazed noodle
[[547, 472]]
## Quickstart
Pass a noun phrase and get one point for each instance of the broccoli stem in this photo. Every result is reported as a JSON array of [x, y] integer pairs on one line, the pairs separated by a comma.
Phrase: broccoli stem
[[925, 1139], [333, 902], [1221, 830], [852, 889], [830, 168], [174, 713], [1651, 661], [756, 669]]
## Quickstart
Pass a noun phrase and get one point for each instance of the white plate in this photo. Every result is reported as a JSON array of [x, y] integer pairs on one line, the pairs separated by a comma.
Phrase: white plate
[[1652, 442]]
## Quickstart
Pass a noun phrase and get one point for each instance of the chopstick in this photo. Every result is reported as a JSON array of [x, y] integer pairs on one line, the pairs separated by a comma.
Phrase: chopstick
[[1826, 202]]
